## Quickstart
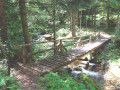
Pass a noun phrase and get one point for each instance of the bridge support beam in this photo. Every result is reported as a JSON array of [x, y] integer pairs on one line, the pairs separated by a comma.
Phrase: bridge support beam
[[90, 39], [24, 55]]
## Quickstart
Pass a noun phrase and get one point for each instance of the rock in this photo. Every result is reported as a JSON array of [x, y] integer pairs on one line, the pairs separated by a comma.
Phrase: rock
[[92, 61], [84, 62], [91, 73], [82, 65], [78, 69], [75, 73], [66, 69], [95, 61], [118, 87]]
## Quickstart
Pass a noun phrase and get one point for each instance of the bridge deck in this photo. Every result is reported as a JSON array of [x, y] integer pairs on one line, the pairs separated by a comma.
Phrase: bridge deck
[[58, 61]]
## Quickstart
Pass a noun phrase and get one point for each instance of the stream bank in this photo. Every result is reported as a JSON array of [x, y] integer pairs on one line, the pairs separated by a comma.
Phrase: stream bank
[[102, 73]]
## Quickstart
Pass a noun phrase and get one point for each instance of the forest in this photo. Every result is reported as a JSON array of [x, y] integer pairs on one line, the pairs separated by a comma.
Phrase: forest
[[59, 44]]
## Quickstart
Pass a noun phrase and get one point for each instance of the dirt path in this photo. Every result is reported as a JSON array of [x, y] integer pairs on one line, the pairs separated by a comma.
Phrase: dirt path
[[27, 77], [112, 79]]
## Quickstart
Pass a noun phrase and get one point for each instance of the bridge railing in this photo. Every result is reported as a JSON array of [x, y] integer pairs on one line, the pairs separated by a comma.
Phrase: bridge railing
[[60, 46]]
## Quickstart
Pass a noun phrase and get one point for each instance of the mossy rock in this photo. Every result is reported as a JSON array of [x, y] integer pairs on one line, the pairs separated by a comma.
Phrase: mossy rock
[[64, 71]]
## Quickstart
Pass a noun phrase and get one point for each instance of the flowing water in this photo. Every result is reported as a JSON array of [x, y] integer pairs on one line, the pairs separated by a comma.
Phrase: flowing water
[[101, 74], [76, 70]]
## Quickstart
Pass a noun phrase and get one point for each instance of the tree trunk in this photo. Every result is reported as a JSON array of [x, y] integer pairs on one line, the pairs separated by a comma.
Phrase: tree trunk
[[87, 14], [117, 24], [54, 28], [92, 15], [86, 21], [95, 18], [81, 20], [107, 21], [118, 20], [4, 35], [3, 24], [23, 15], [72, 20], [78, 19]]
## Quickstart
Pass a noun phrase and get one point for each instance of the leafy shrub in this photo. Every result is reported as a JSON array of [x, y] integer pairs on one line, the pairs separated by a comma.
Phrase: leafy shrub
[[62, 32], [89, 81], [85, 37], [116, 39], [52, 81], [111, 53], [68, 43], [7, 82], [44, 54]]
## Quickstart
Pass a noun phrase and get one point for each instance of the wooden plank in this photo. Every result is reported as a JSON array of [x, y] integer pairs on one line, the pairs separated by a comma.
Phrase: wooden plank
[[56, 62], [82, 55]]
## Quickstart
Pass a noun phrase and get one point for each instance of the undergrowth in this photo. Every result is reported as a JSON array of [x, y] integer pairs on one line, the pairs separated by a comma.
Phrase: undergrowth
[[89, 82], [54, 81], [40, 47], [111, 53], [8, 82]]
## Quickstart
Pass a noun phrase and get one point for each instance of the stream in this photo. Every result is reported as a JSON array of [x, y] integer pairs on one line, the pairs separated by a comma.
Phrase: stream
[[88, 69], [100, 72], [93, 74], [76, 71]]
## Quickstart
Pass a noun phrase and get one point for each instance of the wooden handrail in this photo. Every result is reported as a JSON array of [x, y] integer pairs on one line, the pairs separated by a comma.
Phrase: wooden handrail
[[60, 47], [43, 42], [32, 44], [41, 51], [50, 41], [77, 42]]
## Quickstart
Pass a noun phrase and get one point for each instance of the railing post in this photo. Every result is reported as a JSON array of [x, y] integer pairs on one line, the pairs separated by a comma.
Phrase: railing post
[[54, 28], [55, 47], [90, 55], [99, 35], [95, 34], [79, 42], [61, 46], [23, 55], [90, 39]]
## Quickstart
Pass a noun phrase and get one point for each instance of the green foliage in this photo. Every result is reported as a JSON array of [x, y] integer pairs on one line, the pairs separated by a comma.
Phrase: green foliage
[[85, 37], [89, 81], [52, 81], [115, 2], [8, 82], [78, 4], [63, 32], [69, 47], [41, 47], [111, 53], [117, 35], [13, 22]]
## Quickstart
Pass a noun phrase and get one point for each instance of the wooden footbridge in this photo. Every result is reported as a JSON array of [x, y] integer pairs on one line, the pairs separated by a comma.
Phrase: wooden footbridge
[[62, 59]]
